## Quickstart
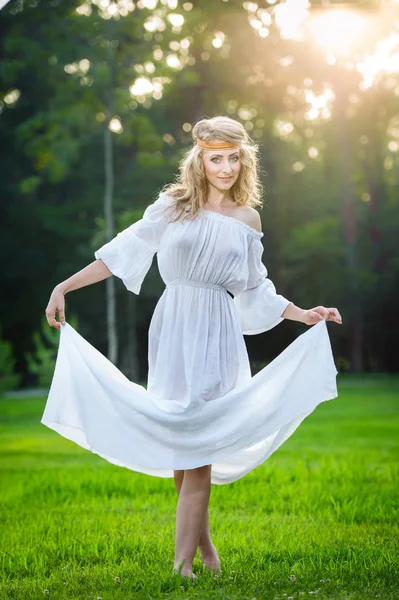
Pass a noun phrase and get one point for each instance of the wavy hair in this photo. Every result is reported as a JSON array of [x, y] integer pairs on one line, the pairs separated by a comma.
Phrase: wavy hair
[[190, 189]]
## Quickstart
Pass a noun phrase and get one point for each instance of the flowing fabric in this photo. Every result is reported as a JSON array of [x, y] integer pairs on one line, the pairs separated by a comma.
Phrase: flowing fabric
[[202, 405]]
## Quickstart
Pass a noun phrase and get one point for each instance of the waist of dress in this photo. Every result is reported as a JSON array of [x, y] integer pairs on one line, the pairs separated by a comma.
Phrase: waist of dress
[[203, 284]]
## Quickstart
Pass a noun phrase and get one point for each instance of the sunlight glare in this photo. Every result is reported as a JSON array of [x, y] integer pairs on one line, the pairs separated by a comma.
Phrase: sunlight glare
[[337, 31], [173, 61], [176, 20], [84, 9], [12, 97], [158, 54], [265, 16], [263, 32], [319, 105], [84, 65], [384, 60], [154, 23], [141, 86], [298, 166], [250, 6], [149, 4], [115, 125], [218, 40], [290, 16], [283, 128]]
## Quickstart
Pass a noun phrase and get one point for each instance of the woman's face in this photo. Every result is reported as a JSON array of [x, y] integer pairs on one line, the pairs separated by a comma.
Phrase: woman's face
[[222, 167]]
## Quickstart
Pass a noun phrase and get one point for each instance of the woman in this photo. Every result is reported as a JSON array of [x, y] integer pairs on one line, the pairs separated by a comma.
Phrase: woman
[[202, 418]]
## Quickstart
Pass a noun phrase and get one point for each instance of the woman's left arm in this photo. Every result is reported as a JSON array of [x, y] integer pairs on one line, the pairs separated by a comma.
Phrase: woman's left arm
[[311, 316]]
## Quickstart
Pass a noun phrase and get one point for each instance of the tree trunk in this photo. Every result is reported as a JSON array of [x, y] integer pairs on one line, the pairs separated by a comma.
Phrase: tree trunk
[[109, 226], [350, 226], [112, 331]]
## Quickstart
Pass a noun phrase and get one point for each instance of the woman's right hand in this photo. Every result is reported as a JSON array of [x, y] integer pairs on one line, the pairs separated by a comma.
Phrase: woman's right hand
[[56, 304], [314, 315]]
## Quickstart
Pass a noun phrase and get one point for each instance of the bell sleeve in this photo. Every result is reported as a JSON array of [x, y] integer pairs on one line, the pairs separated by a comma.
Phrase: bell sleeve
[[129, 255], [259, 306]]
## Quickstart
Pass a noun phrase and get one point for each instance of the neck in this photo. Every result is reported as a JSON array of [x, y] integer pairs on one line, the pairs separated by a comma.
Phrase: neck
[[218, 198]]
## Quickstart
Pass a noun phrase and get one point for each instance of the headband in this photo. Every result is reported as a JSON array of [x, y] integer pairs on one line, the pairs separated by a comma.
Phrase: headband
[[216, 145]]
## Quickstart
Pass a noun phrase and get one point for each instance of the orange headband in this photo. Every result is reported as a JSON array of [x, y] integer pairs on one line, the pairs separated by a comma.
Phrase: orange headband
[[216, 145]]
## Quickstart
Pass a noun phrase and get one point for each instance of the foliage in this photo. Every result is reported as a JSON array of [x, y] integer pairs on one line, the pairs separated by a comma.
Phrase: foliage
[[41, 362], [330, 213], [9, 380], [316, 247]]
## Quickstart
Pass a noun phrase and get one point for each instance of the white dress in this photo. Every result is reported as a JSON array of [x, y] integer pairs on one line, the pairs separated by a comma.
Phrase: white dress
[[201, 405]]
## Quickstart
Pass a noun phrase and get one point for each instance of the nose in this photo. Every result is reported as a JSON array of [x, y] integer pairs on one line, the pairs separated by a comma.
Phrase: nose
[[226, 168]]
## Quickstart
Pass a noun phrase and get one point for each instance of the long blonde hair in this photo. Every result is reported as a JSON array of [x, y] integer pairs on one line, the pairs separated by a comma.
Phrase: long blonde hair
[[189, 191]]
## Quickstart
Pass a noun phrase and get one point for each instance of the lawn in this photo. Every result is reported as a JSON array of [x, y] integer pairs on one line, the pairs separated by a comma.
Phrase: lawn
[[319, 519]]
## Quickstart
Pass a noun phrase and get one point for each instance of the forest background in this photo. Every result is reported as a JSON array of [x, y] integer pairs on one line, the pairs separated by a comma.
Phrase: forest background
[[97, 103]]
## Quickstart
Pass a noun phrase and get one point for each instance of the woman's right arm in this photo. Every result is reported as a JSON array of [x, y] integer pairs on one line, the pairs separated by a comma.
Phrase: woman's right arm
[[96, 271]]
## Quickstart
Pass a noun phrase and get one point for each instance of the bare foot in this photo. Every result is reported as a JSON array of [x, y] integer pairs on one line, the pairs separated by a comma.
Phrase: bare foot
[[191, 575], [185, 571], [210, 559]]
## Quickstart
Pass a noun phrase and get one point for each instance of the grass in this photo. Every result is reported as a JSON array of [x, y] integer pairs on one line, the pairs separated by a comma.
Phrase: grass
[[319, 519]]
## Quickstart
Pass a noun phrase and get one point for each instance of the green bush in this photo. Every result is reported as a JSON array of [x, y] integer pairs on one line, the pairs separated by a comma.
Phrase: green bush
[[42, 361], [8, 379]]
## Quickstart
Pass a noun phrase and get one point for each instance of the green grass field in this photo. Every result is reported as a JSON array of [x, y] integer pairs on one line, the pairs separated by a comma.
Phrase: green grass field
[[319, 519]]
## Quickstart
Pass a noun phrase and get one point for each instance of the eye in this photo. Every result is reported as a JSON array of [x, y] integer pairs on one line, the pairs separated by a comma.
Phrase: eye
[[216, 159]]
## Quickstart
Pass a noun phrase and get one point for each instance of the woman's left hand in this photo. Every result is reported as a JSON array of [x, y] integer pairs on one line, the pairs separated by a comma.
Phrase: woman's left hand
[[329, 314]]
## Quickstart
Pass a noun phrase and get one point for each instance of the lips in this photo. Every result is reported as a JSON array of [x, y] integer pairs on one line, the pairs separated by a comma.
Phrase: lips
[[225, 178]]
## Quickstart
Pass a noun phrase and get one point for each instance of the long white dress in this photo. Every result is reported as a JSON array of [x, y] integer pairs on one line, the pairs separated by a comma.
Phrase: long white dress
[[201, 405]]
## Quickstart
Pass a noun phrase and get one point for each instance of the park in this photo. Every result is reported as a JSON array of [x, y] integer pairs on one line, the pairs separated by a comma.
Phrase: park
[[98, 103]]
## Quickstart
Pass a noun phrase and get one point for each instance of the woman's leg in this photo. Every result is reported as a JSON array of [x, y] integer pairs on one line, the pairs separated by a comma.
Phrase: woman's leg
[[190, 515], [205, 544]]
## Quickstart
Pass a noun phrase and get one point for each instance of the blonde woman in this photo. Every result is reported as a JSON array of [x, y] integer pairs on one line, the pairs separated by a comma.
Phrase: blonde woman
[[203, 418]]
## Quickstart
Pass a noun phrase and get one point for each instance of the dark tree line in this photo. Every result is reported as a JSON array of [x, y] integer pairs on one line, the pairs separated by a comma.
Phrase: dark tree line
[[71, 119]]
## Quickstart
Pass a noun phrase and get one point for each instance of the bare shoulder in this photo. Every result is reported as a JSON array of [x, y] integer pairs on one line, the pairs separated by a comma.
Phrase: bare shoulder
[[250, 216]]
